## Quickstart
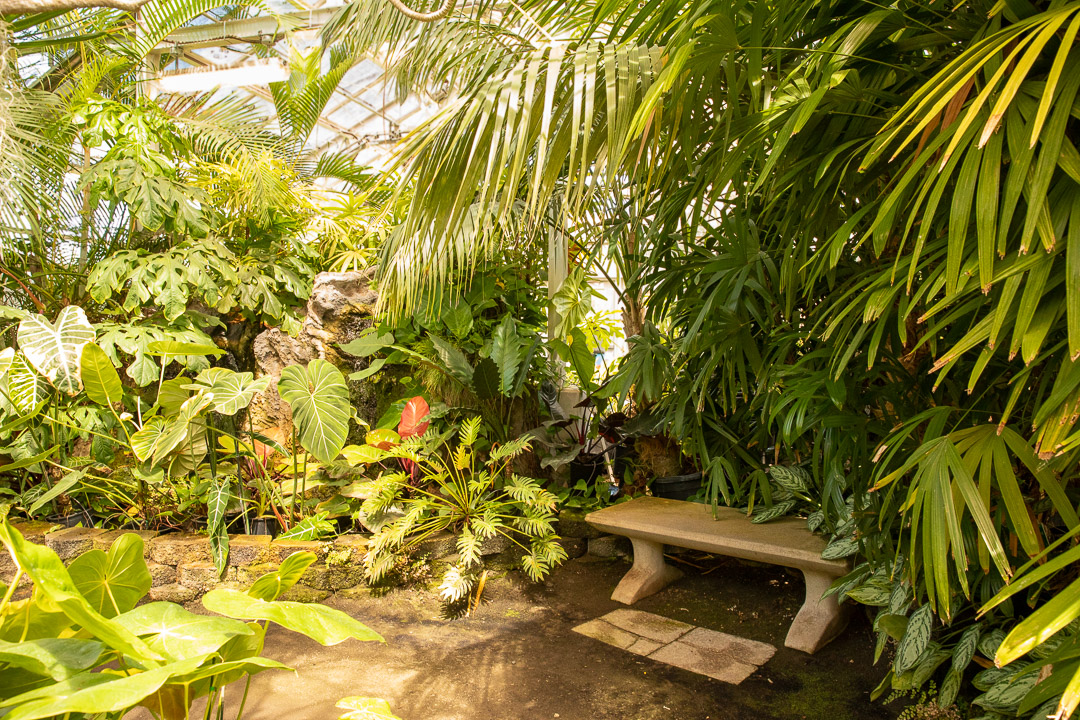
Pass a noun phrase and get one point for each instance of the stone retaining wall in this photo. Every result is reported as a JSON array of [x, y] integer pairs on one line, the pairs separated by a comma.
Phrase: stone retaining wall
[[183, 570]]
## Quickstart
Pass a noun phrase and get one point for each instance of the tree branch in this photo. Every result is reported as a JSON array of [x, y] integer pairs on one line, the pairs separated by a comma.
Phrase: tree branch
[[408, 12], [26, 7]]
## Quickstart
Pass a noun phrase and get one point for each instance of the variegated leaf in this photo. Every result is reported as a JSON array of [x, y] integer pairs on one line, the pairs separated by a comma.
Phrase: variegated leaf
[[55, 348]]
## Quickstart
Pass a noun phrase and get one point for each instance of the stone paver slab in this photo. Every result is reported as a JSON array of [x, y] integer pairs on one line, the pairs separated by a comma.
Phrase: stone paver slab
[[607, 633], [654, 627], [747, 651], [717, 665], [644, 647]]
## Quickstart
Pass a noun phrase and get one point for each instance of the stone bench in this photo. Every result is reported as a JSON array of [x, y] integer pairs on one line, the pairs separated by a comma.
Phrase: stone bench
[[651, 523]]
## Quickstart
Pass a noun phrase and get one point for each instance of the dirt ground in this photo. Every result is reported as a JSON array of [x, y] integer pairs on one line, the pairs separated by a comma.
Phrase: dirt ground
[[516, 657]]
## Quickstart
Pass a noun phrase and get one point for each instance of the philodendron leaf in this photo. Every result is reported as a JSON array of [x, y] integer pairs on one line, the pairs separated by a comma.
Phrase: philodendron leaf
[[26, 387], [58, 658], [506, 352], [320, 623], [6, 356], [273, 585], [113, 582], [100, 379], [232, 391], [365, 708], [55, 349], [319, 399], [52, 579], [310, 528], [216, 504], [176, 633], [94, 693], [62, 486], [368, 344]]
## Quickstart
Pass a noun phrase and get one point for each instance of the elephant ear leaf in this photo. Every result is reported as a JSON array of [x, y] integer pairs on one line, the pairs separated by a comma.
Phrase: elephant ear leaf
[[273, 585], [113, 582], [55, 349], [231, 390], [26, 387], [100, 379], [319, 399]]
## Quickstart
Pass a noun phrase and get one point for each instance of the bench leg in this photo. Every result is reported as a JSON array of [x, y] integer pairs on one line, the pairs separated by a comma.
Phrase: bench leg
[[649, 575], [819, 619]]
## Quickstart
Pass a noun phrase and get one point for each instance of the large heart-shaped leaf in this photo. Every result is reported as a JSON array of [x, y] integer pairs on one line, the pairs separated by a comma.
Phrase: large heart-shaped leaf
[[143, 441], [365, 708], [52, 579], [177, 429], [25, 386], [273, 585], [94, 693], [100, 379], [319, 399], [113, 582], [55, 348], [176, 633], [58, 658], [232, 391], [320, 623]]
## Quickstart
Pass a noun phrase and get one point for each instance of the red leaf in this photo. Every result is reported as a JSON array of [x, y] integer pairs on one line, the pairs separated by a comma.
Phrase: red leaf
[[414, 417]]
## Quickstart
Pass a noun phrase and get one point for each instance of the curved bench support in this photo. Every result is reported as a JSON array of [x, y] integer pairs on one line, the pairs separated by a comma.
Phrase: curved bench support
[[819, 619], [650, 574]]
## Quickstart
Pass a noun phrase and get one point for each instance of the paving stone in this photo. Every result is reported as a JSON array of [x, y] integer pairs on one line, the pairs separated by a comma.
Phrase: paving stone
[[161, 574], [357, 543], [175, 592], [609, 546], [571, 524], [751, 652], [720, 666], [180, 548], [281, 549], [648, 625], [248, 549], [70, 543], [643, 646], [607, 633], [105, 541]]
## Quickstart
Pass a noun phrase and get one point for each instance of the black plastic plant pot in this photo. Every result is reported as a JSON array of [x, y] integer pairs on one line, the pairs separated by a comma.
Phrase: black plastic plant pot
[[586, 467], [677, 487], [265, 526], [344, 524]]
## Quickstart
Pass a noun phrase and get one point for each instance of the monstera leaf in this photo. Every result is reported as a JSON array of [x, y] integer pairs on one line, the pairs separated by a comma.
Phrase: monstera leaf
[[232, 391], [113, 582], [100, 379], [319, 399], [56, 348]]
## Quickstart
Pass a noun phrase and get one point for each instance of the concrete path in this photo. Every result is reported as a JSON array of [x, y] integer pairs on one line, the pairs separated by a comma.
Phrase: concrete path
[[518, 658]]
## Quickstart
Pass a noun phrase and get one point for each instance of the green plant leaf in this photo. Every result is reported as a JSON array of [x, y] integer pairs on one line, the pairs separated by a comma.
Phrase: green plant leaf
[[176, 348], [320, 623], [365, 708], [62, 486], [273, 585], [100, 379], [375, 366], [232, 391], [319, 399], [113, 582], [216, 505], [55, 348], [57, 658], [916, 638], [176, 633], [454, 362], [26, 387], [506, 352], [368, 344], [315, 527], [52, 579]]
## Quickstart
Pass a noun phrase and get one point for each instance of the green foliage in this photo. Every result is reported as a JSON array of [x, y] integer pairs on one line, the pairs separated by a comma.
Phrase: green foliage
[[84, 621], [478, 499], [319, 399]]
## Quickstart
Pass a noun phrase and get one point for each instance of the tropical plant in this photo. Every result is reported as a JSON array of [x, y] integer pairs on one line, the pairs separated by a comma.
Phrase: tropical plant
[[477, 498], [61, 647]]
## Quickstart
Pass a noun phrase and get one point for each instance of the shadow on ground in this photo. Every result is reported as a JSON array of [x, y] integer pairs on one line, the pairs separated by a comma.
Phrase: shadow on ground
[[516, 657]]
